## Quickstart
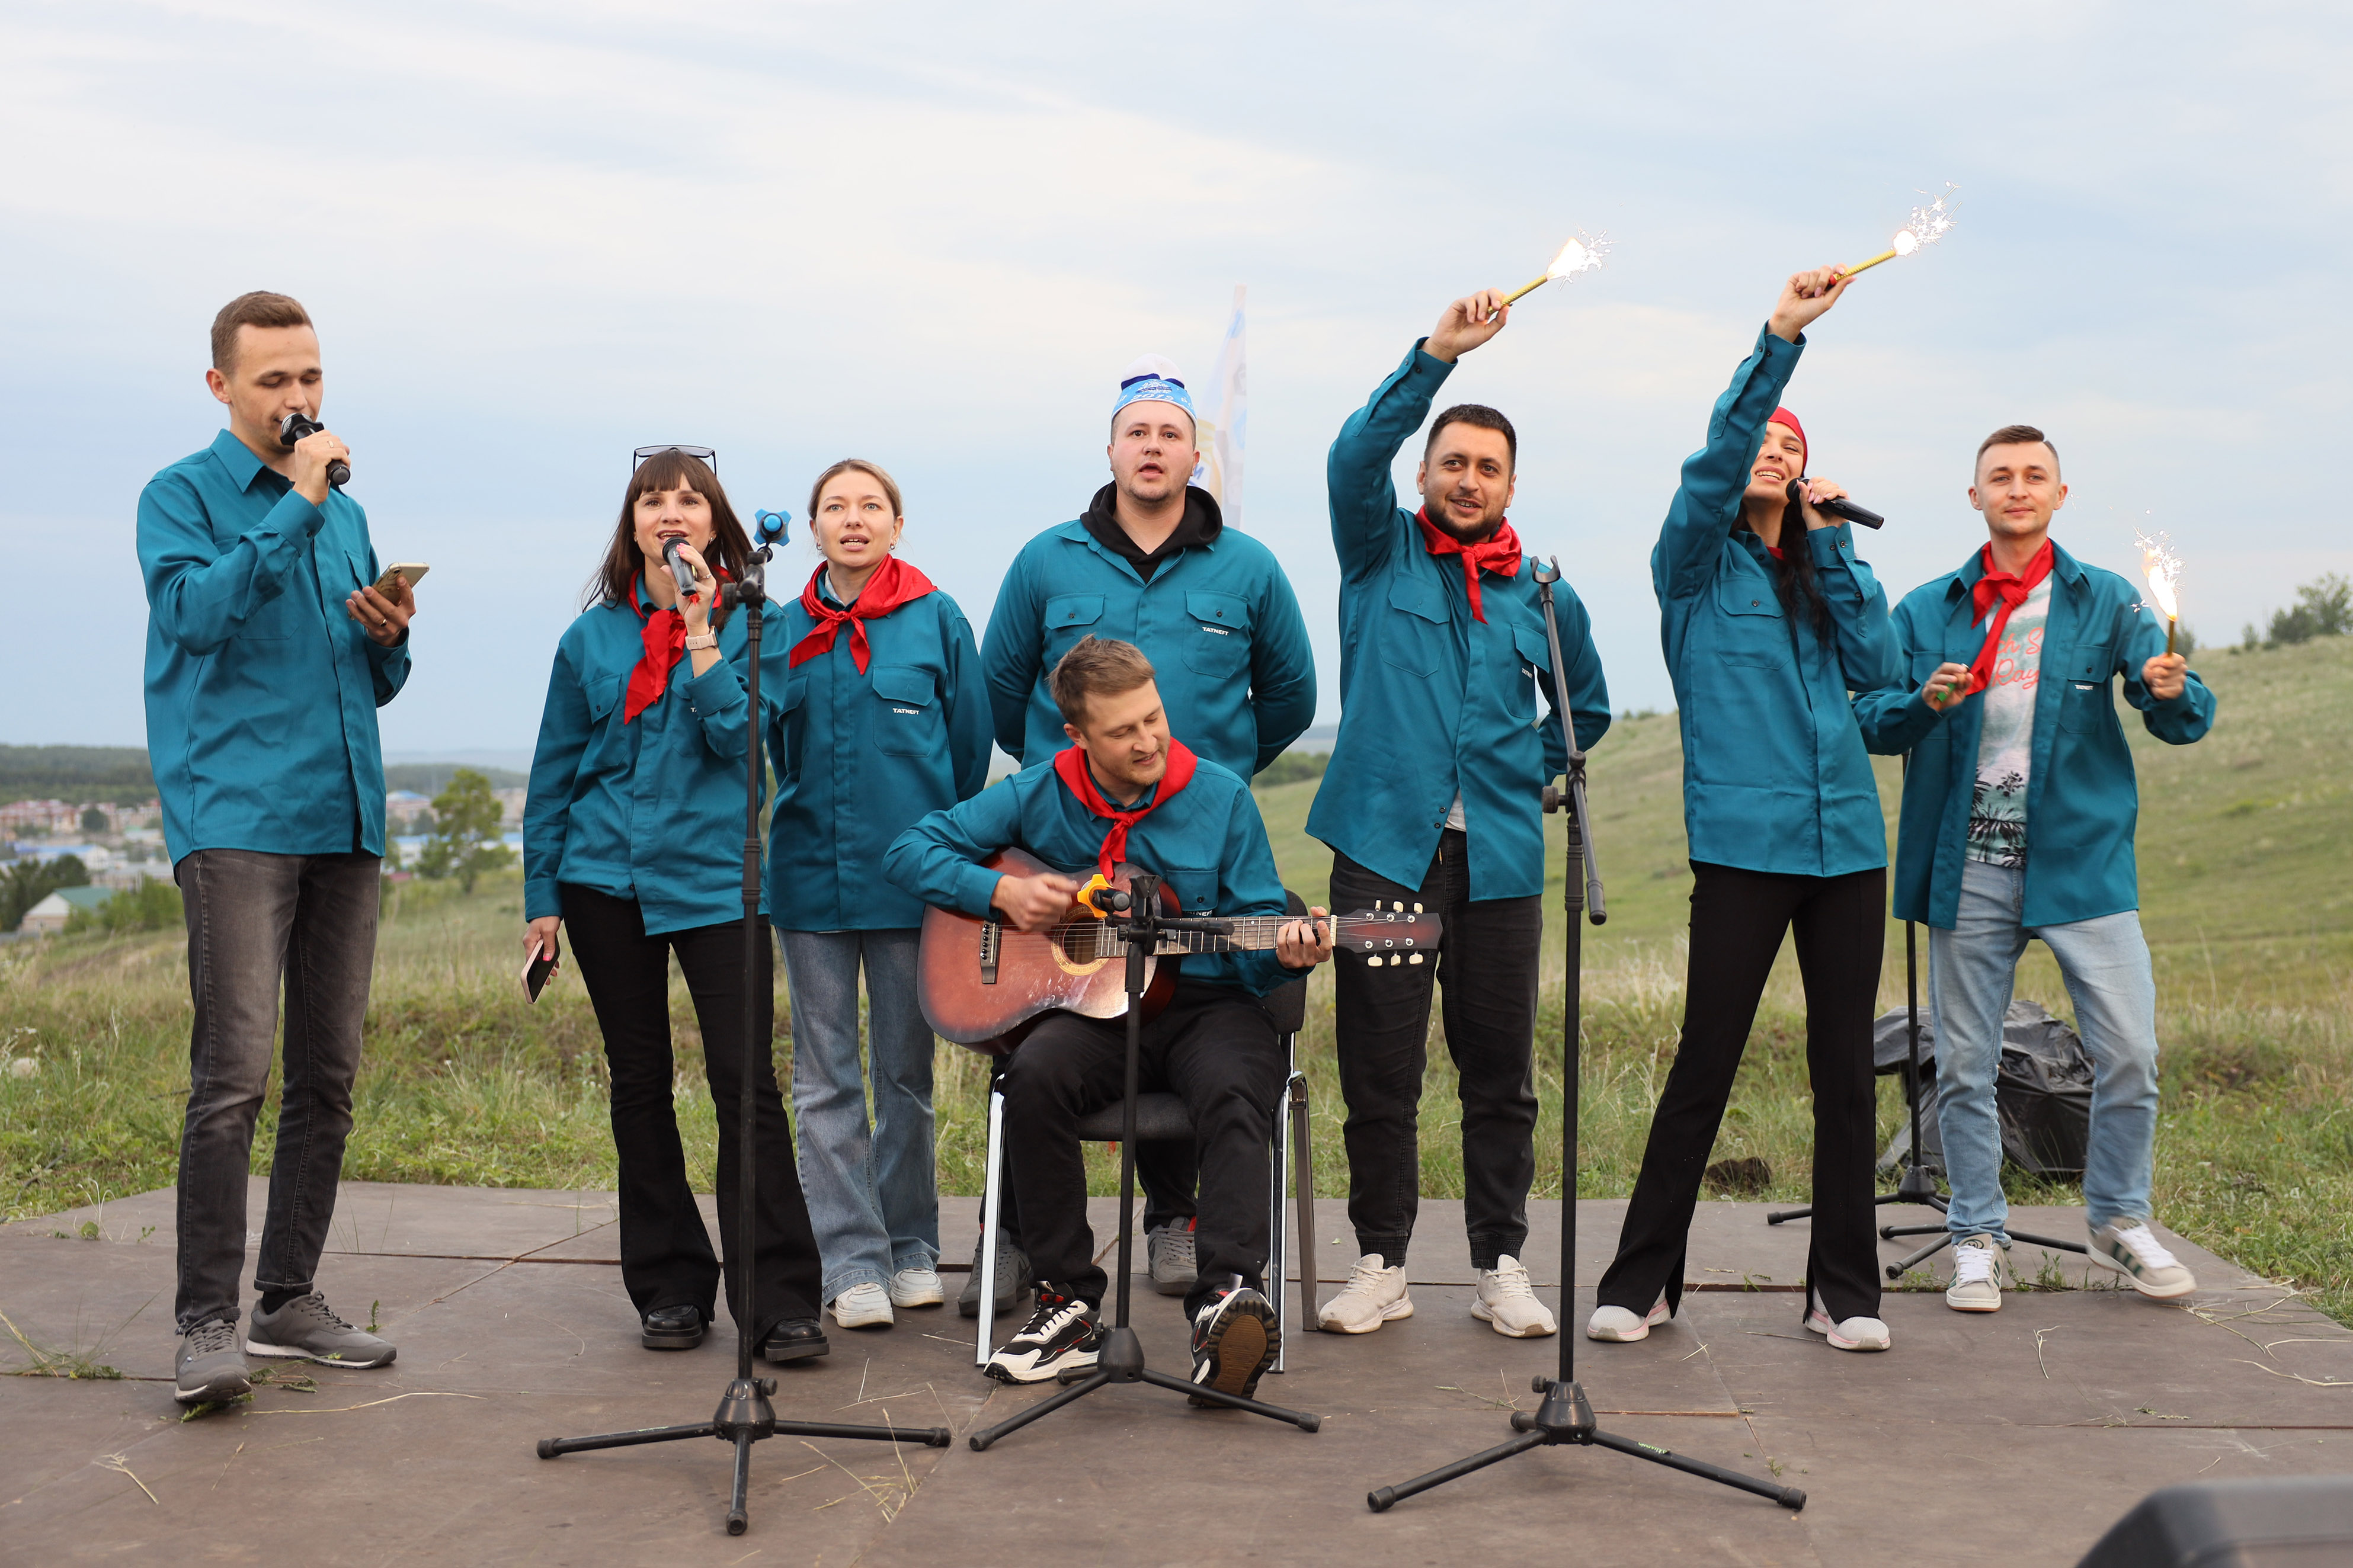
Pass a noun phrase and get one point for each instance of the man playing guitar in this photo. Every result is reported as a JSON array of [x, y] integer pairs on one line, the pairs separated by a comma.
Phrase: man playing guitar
[[1124, 790]]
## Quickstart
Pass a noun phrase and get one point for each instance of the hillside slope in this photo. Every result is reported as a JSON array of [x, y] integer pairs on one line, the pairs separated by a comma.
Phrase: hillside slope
[[2246, 838]]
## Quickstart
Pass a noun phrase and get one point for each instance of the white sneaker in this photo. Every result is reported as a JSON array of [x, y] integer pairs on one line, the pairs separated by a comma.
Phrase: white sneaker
[[917, 1288], [1506, 1300], [1616, 1326], [2132, 1249], [1848, 1334], [1373, 1295], [865, 1306], [1978, 1263]]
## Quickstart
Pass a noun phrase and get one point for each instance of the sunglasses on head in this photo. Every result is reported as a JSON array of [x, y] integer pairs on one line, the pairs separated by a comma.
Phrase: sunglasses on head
[[710, 458]]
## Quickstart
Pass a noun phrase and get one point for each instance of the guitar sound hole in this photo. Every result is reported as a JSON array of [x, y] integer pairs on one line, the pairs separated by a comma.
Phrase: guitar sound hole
[[1085, 943]]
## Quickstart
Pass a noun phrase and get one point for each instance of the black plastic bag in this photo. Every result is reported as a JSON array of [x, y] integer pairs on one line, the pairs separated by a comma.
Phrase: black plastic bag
[[2042, 1090]]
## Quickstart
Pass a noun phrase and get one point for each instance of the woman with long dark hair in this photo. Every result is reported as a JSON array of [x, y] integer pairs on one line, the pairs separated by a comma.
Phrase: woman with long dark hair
[[1769, 623], [881, 718], [633, 837]]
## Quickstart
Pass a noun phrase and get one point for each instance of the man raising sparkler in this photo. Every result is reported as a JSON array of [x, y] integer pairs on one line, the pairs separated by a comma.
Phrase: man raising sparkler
[[1431, 799], [2019, 810]]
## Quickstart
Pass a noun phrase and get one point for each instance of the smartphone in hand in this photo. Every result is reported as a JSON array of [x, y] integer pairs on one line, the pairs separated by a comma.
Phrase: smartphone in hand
[[541, 967], [412, 570]]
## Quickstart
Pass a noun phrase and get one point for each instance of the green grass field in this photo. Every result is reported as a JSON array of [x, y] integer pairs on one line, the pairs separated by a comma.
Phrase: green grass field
[[2246, 840]]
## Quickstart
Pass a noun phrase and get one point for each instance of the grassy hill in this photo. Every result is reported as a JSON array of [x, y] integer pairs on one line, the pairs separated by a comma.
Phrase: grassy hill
[[75, 774], [2246, 840]]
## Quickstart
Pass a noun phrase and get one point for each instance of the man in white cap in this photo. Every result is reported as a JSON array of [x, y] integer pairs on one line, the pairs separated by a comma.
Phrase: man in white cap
[[1152, 562]]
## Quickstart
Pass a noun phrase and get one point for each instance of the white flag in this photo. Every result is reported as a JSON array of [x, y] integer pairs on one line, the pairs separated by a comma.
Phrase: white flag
[[1224, 417]]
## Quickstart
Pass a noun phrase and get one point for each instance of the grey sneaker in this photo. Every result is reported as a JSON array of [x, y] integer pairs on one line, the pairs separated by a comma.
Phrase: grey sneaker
[[1169, 1248], [211, 1369], [1978, 1267], [1012, 1280], [306, 1329], [2132, 1249]]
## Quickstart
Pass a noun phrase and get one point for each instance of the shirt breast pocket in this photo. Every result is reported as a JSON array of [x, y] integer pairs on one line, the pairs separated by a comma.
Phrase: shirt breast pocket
[[1068, 617], [1195, 887], [1750, 631], [1530, 655], [1218, 645], [907, 717], [2089, 700], [1411, 631]]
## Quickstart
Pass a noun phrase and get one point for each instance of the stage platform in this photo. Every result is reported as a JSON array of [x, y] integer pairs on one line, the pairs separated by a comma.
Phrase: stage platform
[[2015, 1438]]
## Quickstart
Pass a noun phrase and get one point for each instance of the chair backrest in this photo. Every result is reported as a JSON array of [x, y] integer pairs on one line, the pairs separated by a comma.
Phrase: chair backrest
[[1288, 1002]]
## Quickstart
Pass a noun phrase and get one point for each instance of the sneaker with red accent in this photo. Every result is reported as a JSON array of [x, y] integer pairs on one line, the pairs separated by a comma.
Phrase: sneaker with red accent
[[1234, 1339], [1846, 1333], [1060, 1336]]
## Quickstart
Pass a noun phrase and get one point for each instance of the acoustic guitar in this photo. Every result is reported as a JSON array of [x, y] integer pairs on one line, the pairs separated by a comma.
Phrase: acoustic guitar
[[983, 983]]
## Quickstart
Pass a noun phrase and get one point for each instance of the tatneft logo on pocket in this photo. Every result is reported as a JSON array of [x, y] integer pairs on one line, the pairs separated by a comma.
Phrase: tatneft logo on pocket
[[1219, 631], [906, 711]]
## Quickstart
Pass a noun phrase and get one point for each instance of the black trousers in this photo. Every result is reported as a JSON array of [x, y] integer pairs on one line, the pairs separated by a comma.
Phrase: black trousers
[[1738, 922], [1487, 965], [666, 1254], [1212, 1046]]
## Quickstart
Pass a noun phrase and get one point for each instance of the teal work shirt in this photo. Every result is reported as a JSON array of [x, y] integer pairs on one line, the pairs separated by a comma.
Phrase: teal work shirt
[[1219, 621], [2082, 802], [652, 809], [857, 758], [1776, 776], [1207, 844], [1433, 702], [261, 689]]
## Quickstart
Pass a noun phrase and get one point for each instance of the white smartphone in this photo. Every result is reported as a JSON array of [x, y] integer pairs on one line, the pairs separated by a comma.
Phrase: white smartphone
[[413, 570]]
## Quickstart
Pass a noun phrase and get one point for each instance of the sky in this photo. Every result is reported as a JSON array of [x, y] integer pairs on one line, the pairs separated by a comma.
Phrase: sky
[[536, 235]]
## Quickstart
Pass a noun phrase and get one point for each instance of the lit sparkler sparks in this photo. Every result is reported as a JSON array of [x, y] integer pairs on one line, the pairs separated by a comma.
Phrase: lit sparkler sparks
[[2162, 567], [1925, 226], [1582, 253]]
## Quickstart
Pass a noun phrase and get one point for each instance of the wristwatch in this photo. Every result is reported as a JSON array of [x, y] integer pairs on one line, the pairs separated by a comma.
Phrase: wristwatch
[[707, 639]]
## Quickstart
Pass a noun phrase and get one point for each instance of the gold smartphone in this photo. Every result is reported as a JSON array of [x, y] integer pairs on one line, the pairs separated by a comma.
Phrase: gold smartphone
[[413, 570]]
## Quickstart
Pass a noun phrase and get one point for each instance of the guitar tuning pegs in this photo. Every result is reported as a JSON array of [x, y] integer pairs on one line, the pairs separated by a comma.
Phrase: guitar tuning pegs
[[1415, 959], [1417, 909]]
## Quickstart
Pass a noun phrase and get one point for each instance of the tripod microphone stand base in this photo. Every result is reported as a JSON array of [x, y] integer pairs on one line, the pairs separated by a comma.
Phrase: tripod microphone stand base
[[1567, 1417]]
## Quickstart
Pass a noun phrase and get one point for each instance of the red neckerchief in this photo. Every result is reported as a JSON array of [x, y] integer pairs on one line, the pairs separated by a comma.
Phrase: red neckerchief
[[1070, 766], [2012, 591], [1500, 554], [1774, 550], [665, 636], [894, 583]]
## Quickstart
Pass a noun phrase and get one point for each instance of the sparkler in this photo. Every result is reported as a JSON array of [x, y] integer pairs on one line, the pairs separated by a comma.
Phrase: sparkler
[[2162, 567], [1582, 253], [1927, 226]]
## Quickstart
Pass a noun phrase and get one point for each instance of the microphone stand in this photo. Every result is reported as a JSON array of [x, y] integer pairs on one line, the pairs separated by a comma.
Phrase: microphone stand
[[1565, 1417], [745, 1415], [1121, 1360]]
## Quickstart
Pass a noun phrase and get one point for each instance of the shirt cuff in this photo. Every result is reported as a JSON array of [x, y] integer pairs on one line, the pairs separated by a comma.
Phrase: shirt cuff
[[1832, 546], [714, 692], [1421, 363], [295, 515], [976, 886]]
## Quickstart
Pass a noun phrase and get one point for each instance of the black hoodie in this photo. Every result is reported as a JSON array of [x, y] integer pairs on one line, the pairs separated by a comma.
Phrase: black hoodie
[[1201, 525]]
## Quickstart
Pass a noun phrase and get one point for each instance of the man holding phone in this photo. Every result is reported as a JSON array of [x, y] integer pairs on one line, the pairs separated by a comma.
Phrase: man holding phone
[[270, 645]]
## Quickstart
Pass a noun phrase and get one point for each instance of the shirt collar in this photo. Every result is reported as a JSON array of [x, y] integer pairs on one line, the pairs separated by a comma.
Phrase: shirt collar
[[238, 458]]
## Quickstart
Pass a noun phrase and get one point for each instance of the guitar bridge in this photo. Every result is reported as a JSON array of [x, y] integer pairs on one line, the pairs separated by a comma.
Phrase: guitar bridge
[[990, 932]]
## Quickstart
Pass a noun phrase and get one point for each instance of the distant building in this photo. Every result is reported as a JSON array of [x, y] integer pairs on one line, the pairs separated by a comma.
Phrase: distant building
[[50, 916], [93, 856]]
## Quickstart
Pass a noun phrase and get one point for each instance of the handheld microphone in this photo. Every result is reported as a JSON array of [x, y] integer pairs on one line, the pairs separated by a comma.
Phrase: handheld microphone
[[679, 571], [1846, 509], [339, 473]]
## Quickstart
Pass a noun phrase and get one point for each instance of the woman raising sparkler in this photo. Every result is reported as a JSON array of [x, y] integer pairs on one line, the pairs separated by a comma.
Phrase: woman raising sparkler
[[1769, 622]]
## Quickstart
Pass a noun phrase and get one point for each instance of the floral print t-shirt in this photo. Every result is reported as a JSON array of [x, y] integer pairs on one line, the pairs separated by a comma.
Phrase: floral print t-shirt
[[2006, 744]]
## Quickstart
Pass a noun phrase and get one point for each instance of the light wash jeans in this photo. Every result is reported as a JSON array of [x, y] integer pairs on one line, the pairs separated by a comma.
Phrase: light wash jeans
[[872, 1197], [1971, 970]]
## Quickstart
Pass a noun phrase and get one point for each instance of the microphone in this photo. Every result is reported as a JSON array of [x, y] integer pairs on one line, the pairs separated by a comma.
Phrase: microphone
[[679, 571], [339, 473], [1846, 509]]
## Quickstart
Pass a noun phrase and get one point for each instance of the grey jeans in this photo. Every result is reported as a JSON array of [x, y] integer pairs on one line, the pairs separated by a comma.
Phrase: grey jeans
[[254, 919]]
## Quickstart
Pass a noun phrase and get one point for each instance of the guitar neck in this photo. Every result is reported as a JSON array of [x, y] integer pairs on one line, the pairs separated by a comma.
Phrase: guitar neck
[[1250, 933]]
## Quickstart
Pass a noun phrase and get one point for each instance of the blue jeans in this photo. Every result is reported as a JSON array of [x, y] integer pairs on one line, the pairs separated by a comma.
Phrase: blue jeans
[[872, 1197], [1971, 970]]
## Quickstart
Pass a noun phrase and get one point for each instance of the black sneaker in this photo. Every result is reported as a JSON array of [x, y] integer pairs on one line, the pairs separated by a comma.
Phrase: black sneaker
[[1234, 1342], [1012, 1280], [211, 1368], [1060, 1336]]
